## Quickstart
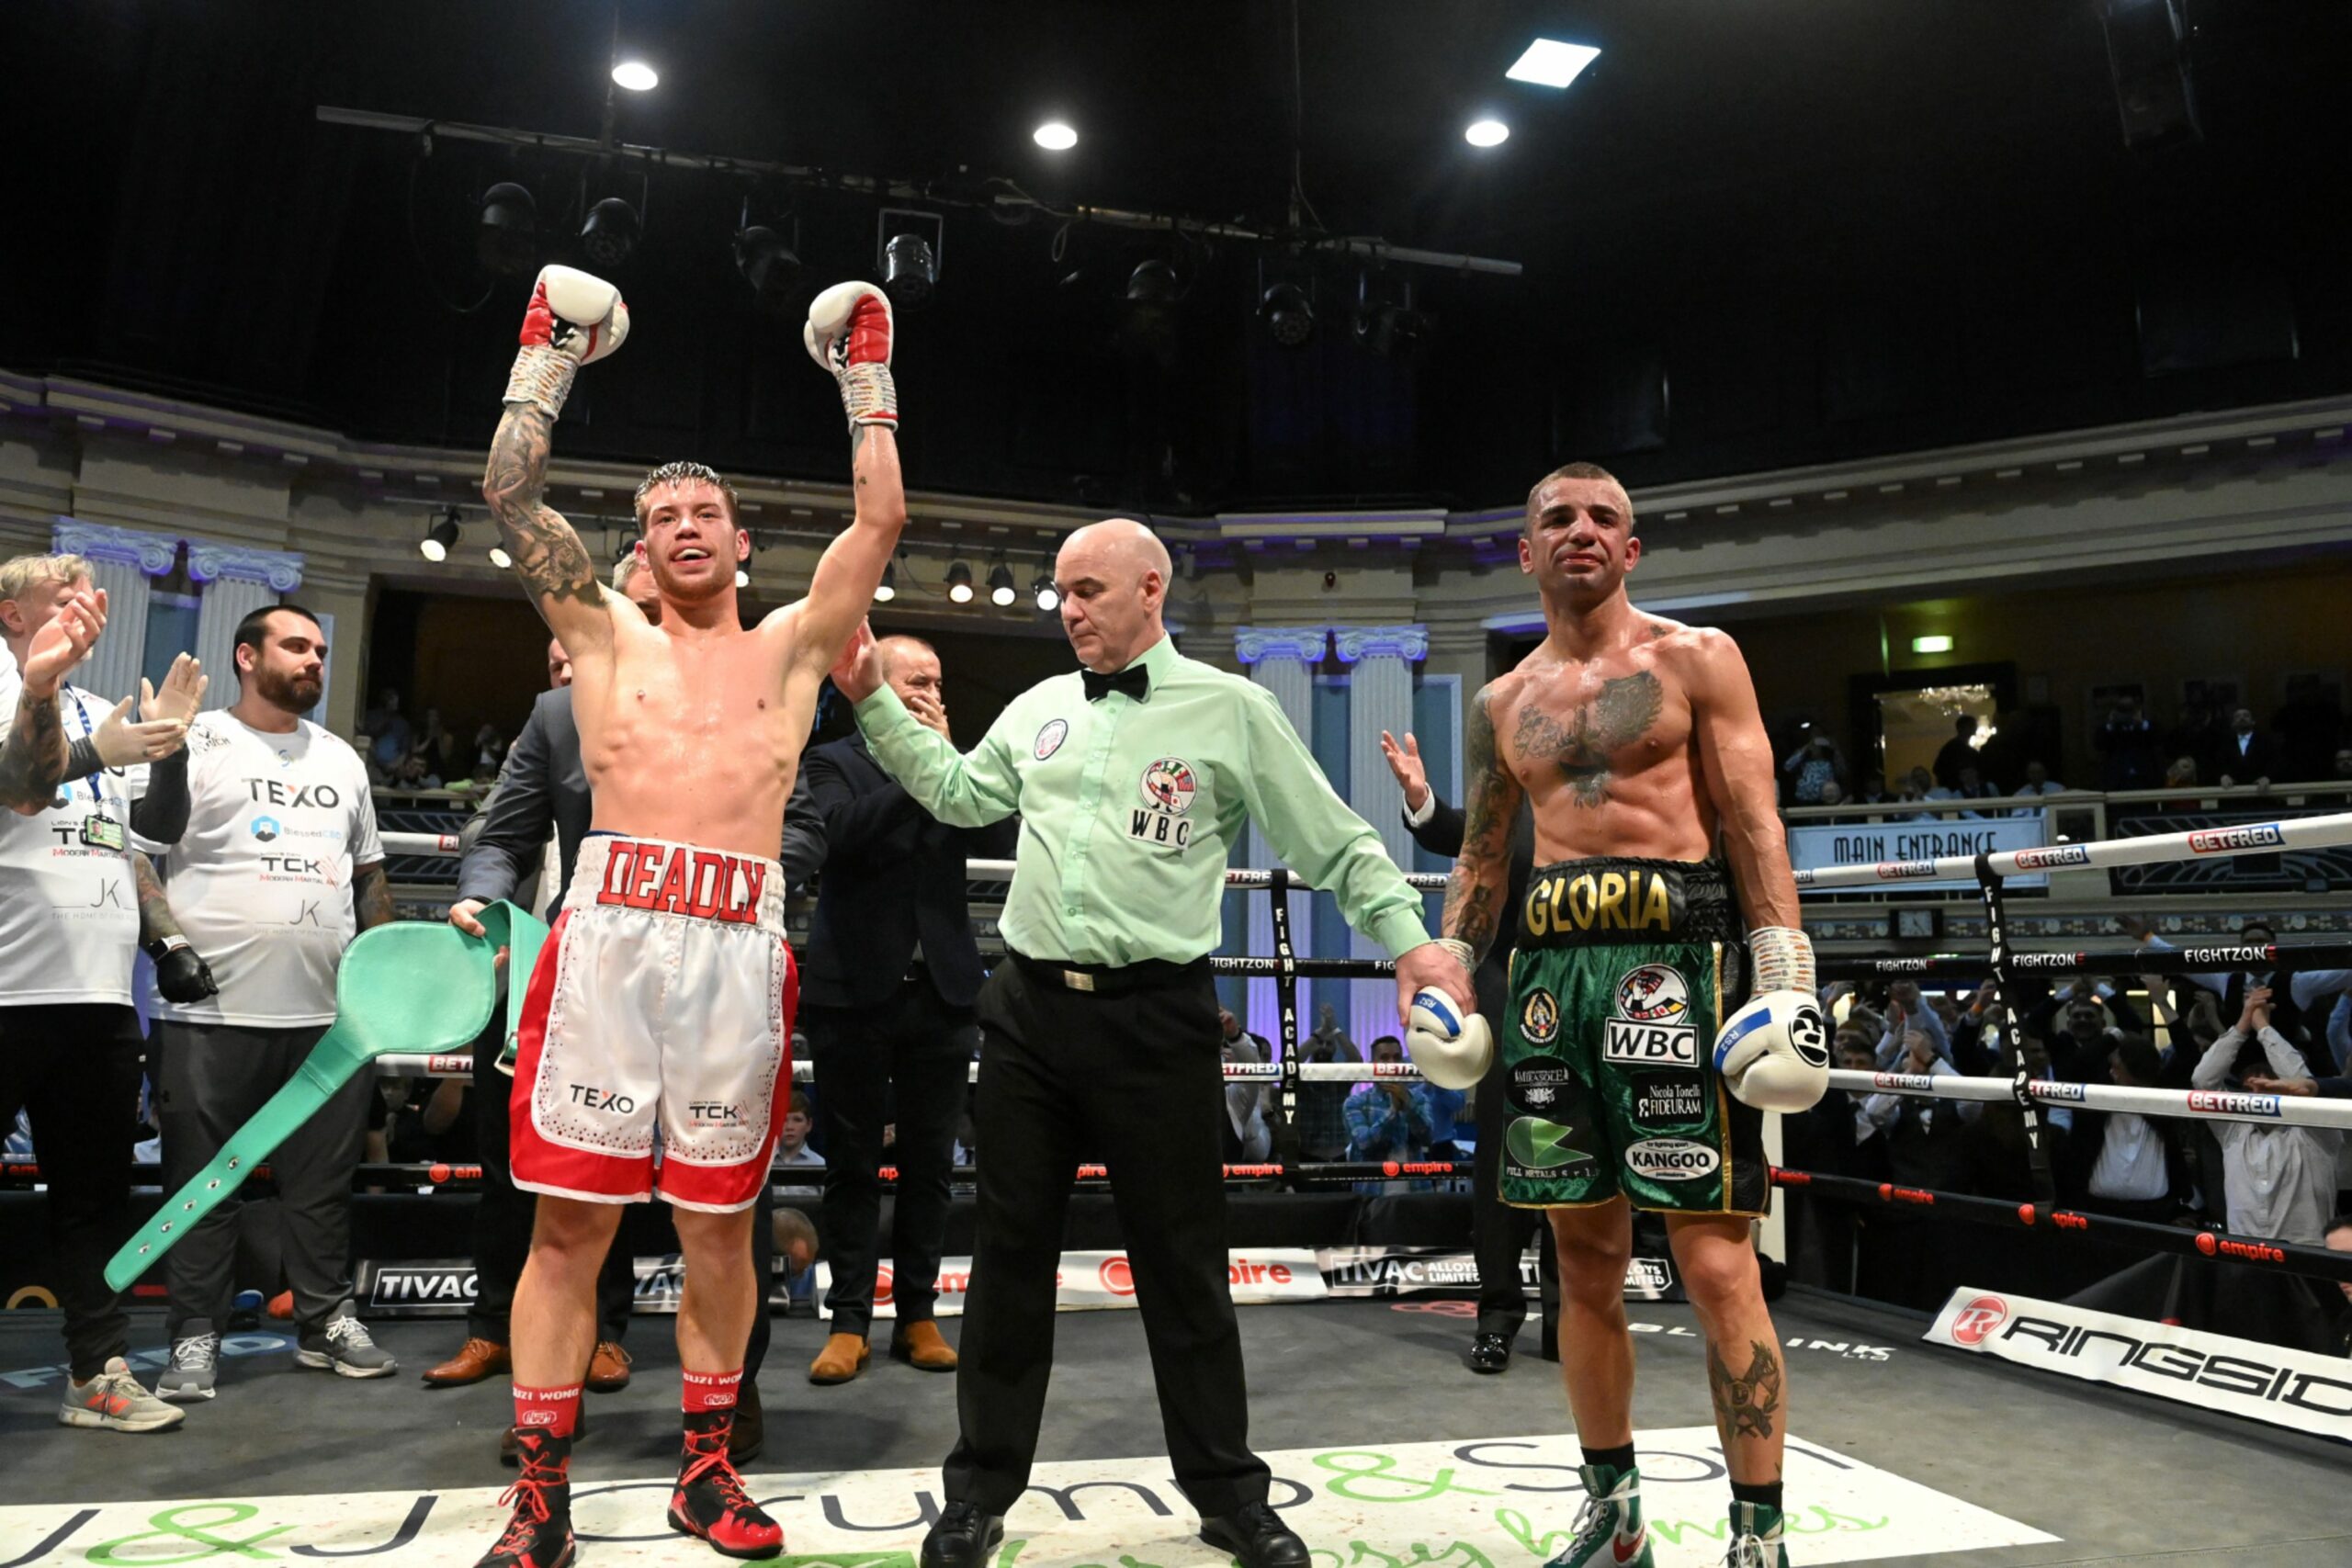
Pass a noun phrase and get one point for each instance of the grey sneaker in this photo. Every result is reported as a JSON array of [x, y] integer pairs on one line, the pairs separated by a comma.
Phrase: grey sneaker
[[344, 1348], [115, 1402], [195, 1362]]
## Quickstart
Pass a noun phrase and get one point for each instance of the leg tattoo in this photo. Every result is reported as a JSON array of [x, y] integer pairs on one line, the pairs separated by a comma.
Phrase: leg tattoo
[[1745, 1405]]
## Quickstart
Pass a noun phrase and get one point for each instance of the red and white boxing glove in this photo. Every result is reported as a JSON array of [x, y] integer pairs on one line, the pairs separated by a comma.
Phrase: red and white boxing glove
[[850, 333], [575, 318]]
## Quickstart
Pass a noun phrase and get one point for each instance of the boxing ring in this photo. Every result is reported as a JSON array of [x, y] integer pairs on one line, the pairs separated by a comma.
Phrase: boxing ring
[[1912, 1439]]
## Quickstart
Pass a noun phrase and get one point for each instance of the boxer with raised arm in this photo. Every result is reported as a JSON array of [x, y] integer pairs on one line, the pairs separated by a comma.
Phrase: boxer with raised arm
[[664, 998], [1629, 1080]]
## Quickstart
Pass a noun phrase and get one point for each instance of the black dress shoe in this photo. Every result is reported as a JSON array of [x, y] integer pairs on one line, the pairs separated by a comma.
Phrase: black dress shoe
[[1257, 1536], [1490, 1353], [964, 1538], [749, 1433]]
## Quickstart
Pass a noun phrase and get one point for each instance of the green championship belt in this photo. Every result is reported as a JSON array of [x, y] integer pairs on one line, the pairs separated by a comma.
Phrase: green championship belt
[[411, 986]]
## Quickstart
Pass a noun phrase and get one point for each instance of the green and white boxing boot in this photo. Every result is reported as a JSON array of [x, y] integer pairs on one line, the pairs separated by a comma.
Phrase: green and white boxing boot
[[1609, 1530], [1755, 1538]]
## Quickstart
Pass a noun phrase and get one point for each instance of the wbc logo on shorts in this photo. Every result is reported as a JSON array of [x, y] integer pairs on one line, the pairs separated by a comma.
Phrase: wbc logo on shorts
[[1653, 1026]]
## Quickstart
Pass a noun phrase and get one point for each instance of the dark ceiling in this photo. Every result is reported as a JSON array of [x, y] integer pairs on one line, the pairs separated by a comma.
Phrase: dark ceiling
[[1756, 234]]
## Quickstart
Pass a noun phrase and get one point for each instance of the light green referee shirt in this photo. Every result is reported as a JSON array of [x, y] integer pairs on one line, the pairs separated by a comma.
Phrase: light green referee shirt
[[1128, 808]]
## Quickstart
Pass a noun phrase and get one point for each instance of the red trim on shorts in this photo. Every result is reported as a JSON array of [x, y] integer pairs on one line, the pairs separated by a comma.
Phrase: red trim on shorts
[[723, 1189], [533, 1162]]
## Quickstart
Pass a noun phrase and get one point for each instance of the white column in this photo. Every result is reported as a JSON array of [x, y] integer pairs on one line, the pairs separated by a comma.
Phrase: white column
[[1283, 660], [237, 582], [1380, 697], [121, 560]]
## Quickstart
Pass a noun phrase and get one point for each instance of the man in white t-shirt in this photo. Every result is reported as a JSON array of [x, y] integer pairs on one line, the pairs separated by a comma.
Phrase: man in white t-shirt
[[280, 866], [70, 1053]]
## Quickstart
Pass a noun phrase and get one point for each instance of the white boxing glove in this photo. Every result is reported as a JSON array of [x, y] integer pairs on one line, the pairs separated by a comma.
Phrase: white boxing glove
[[575, 319], [1452, 1049], [1773, 1054], [851, 333]]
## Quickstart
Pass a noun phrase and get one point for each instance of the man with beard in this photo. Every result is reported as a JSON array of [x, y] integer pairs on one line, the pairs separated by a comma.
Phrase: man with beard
[[278, 869]]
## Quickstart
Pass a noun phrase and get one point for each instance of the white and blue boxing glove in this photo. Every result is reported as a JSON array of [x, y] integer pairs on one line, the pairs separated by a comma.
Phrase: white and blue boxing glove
[[1452, 1050], [1773, 1054]]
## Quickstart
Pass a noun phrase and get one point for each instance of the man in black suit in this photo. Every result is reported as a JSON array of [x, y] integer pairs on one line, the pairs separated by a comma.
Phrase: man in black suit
[[887, 993], [1500, 1234]]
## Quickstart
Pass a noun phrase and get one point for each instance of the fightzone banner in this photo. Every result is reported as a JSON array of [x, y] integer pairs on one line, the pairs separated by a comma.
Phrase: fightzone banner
[[2212, 1371]]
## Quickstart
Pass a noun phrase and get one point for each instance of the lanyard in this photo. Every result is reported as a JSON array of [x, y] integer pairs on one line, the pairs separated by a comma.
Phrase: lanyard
[[89, 732]]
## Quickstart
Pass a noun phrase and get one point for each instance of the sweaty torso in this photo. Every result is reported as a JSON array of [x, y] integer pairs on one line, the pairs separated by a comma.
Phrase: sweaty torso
[[1606, 748], [692, 737]]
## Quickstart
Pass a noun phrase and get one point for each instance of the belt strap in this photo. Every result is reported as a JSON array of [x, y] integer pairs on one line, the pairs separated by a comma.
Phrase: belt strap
[[409, 986]]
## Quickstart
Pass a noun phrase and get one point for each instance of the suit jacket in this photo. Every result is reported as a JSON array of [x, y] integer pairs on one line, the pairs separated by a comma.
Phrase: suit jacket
[[541, 788], [893, 877], [1442, 835]]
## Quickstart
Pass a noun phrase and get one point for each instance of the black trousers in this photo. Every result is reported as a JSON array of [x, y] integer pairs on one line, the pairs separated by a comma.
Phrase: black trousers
[[906, 1063], [1499, 1234], [74, 1066], [1139, 1077], [209, 1080]]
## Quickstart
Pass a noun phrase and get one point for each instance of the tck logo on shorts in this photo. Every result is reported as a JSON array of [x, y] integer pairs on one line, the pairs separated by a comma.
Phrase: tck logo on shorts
[[1168, 787], [1653, 1027], [1672, 1159]]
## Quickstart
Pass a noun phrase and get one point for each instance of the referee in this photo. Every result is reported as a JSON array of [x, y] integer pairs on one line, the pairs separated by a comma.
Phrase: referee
[[1132, 777]]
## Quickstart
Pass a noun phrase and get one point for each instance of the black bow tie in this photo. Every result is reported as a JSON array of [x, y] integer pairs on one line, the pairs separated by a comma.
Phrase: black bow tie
[[1134, 680]]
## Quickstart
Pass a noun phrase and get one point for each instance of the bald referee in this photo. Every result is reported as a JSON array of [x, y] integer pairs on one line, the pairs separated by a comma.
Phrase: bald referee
[[1132, 777]]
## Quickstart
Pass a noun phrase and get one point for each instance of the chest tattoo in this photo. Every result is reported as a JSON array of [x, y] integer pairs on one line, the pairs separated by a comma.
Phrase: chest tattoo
[[1581, 747]]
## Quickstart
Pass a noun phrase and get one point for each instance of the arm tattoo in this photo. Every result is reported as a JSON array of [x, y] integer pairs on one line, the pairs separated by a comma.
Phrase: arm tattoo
[[547, 552], [371, 896], [1746, 1405], [155, 918], [1474, 897], [32, 758], [1582, 747]]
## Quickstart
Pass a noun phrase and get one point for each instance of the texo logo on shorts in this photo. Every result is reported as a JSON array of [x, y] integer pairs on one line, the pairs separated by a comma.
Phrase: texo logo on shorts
[[601, 1099]]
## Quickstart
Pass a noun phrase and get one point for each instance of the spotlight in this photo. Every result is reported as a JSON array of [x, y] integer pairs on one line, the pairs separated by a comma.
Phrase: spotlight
[[507, 241], [960, 583], [1487, 134], [439, 538], [1000, 590], [1288, 313], [609, 236], [1386, 321], [769, 264], [636, 76], [909, 270], [889, 589], [1154, 282], [500, 558], [1049, 598], [1055, 137]]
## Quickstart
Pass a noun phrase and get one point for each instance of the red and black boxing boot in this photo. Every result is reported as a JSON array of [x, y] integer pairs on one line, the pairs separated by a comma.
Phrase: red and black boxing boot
[[710, 1503], [539, 1535]]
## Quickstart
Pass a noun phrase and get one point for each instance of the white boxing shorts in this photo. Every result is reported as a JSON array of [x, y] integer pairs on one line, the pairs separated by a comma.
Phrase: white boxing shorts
[[661, 1004]]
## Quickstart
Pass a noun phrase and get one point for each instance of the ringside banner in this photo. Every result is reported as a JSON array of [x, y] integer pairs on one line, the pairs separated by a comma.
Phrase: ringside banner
[[2213, 1371]]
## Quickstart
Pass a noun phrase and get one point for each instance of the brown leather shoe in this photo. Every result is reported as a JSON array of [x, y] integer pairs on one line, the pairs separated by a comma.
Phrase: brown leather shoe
[[843, 1357], [920, 1345], [750, 1431], [476, 1360], [607, 1368]]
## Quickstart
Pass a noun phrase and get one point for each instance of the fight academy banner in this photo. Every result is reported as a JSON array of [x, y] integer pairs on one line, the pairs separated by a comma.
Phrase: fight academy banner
[[1088, 1280], [1903, 851], [2212, 1371], [1387, 1271]]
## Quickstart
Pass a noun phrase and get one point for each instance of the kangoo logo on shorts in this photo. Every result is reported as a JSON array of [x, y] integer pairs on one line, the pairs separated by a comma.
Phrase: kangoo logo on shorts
[[1050, 738], [266, 829], [1653, 1027], [1539, 1018], [2220, 841], [2064, 855], [1972, 1324], [1672, 1159]]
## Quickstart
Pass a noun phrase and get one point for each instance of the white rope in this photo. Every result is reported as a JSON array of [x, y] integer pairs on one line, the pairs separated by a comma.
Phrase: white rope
[[2196, 1105], [2243, 839]]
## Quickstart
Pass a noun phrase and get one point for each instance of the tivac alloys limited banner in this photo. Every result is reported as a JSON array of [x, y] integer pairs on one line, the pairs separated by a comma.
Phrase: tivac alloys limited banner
[[2212, 1371]]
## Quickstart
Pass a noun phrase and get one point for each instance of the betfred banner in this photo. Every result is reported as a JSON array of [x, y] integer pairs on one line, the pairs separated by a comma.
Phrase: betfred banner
[[2212, 1371], [1904, 852], [1088, 1280]]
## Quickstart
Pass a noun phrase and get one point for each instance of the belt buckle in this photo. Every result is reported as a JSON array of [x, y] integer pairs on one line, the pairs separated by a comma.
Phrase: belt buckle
[[1078, 980]]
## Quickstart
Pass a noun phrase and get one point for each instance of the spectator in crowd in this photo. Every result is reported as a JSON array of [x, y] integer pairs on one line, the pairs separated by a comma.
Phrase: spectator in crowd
[[1873, 790], [1248, 1137], [1385, 1119], [2118, 1162], [792, 1150], [1958, 752], [489, 747], [1973, 1036], [1328, 1033], [1905, 1013], [2037, 782], [1814, 765], [1919, 784], [414, 771], [1322, 1107], [388, 731], [2248, 756], [1969, 785], [273, 927], [1230, 1033], [2343, 774], [794, 1238], [1833, 794], [1925, 1145], [2127, 747], [2278, 1180], [436, 746], [1443, 1108]]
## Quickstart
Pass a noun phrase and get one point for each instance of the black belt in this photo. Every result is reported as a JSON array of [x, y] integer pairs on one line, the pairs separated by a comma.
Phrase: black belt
[[1111, 979]]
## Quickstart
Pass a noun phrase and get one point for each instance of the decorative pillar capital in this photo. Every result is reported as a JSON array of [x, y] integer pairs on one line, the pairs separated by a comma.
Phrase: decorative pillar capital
[[278, 569], [1410, 644], [151, 553], [1305, 644]]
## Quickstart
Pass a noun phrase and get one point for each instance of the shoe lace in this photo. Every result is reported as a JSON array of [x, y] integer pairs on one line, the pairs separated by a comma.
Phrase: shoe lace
[[710, 1460], [194, 1353], [350, 1333], [1747, 1552], [529, 1497], [1594, 1524]]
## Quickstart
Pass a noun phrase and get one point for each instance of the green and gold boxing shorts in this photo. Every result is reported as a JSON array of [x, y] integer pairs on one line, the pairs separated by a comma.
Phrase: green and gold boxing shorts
[[1617, 989]]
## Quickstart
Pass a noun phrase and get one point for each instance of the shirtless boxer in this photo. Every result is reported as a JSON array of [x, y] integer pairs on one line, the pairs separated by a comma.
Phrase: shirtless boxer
[[1637, 742], [662, 1001]]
